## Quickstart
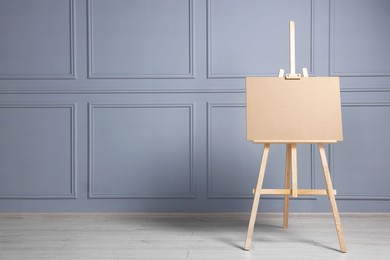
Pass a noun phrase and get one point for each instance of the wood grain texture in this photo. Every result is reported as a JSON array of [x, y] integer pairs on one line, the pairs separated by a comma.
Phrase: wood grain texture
[[292, 74], [289, 192], [256, 200], [291, 165], [294, 169], [287, 181], [124, 236], [332, 199]]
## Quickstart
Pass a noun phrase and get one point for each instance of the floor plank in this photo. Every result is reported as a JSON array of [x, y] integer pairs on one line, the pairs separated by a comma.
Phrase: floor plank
[[117, 236]]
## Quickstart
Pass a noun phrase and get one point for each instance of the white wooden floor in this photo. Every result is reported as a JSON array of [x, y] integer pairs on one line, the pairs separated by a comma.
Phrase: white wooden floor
[[189, 236]]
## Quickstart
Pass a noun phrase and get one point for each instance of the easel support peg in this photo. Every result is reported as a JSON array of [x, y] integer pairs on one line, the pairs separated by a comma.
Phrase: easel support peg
[[305, 73]]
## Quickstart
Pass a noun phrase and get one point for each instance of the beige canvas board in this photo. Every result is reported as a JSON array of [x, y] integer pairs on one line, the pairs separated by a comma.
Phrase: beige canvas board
[[293, 111]]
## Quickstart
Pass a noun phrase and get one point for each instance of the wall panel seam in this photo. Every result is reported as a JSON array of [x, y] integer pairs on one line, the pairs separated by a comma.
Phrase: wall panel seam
[[332, 71], [92, 75], [73, 174], [93, 195], [341, 196], [72, 54], [210, 193], [212, 75]]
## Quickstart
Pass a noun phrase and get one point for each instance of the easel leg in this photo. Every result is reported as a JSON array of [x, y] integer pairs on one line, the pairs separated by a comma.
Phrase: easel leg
[[287, 185], [294, 167], [332, 199], [256, 199]]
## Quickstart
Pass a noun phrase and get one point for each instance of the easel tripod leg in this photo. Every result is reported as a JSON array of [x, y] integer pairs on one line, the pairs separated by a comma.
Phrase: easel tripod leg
[[332, 199], [256, 199], [287, 185], [294, 175]]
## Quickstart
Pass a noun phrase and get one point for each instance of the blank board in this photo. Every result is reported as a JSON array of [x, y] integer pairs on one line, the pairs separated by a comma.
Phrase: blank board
[[307, 110]]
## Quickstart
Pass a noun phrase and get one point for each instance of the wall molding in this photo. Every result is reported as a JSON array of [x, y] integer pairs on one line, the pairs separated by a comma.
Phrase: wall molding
[[73, 175], [72, 54], [94, 195], [209, 48], [161, 91], [210, 193], [93, 75], [122, 91], [339, 195], [332, 71], [365, 89]]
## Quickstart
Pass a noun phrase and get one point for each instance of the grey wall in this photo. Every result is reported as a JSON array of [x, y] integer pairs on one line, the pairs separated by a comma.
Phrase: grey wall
[[139, 105]]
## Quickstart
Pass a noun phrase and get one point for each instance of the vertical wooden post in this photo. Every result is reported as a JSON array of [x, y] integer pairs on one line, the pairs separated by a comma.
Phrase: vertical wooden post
[[294, 170], [287, 185], [332, 198], [256, 199], [292, 74], [292, 47]]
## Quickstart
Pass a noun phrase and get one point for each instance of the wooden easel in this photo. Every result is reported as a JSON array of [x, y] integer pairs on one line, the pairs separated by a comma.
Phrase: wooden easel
[[291, 183]]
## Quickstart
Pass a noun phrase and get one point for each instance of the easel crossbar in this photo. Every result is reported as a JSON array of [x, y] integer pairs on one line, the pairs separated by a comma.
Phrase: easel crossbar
[[289, 192]]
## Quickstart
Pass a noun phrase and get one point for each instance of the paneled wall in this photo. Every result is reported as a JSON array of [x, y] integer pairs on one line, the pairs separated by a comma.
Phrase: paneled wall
[[139, 105]]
